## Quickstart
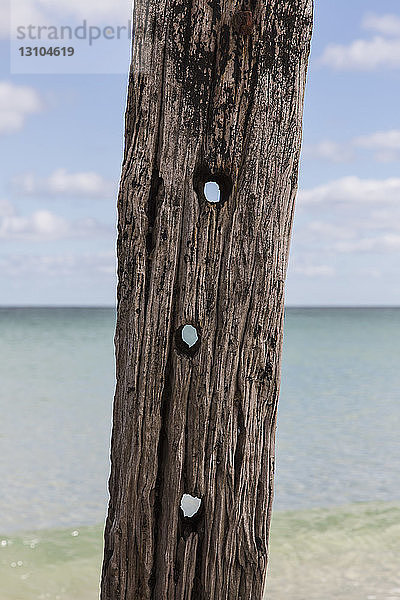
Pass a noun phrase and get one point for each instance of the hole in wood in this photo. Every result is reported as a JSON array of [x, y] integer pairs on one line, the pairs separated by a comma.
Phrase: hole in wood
[[190, 505], [187, 339], [212, 192], [212, 188], [189, 335]]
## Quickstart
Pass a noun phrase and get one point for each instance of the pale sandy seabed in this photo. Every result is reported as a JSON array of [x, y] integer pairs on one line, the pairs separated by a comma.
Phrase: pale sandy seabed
[[347, 553]]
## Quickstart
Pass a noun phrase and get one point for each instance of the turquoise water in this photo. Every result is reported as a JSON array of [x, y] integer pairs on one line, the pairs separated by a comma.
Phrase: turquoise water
[[339, 413], [57, 381], [338, 445]]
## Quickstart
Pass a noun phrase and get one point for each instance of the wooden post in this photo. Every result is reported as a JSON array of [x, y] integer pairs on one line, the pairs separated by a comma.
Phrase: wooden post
[[215, 95]]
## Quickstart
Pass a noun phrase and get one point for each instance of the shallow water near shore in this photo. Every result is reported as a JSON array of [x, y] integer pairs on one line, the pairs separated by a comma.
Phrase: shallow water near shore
[[337, 446], [351, 553], [347, 553]]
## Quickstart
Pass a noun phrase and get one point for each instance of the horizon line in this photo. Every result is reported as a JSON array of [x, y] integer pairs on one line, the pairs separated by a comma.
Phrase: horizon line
[[114, 306]]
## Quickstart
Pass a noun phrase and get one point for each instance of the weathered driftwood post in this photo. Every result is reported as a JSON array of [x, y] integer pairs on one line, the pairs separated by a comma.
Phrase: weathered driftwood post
[[215, 95]]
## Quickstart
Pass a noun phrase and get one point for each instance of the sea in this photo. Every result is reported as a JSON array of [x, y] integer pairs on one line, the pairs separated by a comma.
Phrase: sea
[[335, 532]]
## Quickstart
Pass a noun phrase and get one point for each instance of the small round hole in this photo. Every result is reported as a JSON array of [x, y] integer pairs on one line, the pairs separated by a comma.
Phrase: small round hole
[[187, 339], [189, 335], [212, 192], [213, 187], [190, 505]]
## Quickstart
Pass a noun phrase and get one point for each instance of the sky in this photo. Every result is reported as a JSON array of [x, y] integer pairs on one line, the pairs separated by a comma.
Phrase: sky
[[61, 143]]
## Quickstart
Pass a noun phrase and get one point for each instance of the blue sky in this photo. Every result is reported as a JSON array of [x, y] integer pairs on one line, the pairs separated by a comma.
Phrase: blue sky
[[61, 147]]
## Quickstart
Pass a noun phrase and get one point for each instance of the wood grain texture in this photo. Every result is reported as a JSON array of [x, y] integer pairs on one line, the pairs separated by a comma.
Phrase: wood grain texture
[[216, 92]]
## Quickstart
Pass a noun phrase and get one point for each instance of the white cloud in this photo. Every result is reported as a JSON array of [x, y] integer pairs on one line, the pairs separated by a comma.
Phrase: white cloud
[[348, 215], [313, 270], [388, 241], [382, 51], [65, 265], [384, 144], [385, 24], [329, 150], [363, 55], [387, 156], [6, 208], [16, 104], [331, 230], [389, 140], [350, 190], [61, 183], [43, 225]]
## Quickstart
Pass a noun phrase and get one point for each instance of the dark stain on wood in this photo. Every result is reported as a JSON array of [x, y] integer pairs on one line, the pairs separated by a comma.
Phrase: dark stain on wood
[[242, 22]]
